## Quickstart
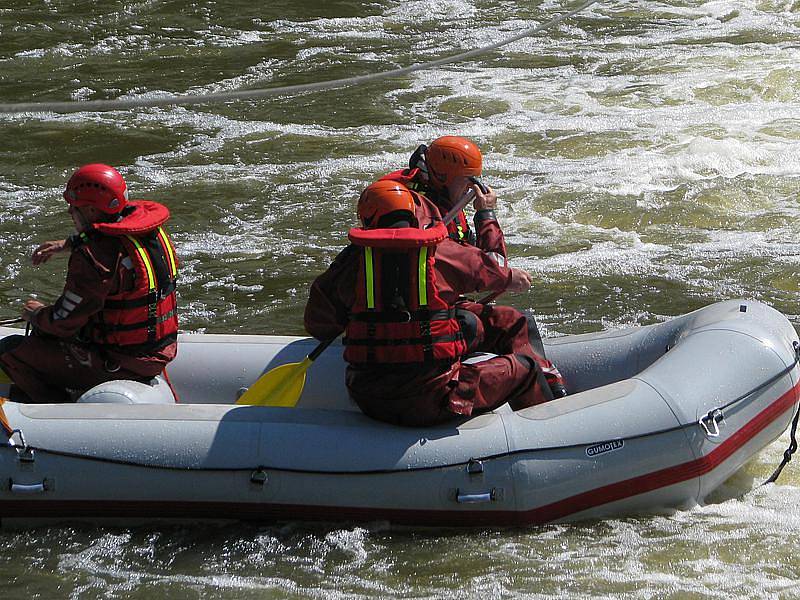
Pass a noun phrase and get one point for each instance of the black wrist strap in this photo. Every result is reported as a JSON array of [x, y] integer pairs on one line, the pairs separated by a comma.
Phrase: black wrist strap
[[485, 214]]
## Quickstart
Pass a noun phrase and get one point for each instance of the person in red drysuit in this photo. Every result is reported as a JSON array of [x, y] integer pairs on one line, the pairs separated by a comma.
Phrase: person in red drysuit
[[443, 171], [117, 316], [393, 292]]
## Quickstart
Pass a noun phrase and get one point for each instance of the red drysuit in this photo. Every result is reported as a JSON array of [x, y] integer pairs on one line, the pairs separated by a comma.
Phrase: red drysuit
[[420, 395]]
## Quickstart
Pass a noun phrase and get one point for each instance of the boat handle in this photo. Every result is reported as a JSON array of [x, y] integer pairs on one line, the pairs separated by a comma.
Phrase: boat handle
[[27, 488], [475, 498], [710, 422], [24, 453]]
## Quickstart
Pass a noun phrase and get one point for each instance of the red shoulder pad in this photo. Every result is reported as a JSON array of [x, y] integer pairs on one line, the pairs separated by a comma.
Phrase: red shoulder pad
[[405, 238], [404, 176], [146, 217]]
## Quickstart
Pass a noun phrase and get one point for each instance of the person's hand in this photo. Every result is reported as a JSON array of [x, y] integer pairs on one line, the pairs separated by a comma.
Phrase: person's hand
[[31, 308], [47, 250], [520, 281], [483, 201]]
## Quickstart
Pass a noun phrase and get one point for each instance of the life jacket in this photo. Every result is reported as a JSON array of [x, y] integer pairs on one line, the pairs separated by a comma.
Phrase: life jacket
[[458, 229], [145, 318], [398, 317]]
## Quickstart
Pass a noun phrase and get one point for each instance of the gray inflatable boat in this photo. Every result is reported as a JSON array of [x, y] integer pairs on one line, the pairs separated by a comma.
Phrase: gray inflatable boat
[[657, 417]]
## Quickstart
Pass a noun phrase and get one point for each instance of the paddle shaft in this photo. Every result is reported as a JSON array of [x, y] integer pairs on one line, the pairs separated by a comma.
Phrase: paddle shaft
[[11, 321]]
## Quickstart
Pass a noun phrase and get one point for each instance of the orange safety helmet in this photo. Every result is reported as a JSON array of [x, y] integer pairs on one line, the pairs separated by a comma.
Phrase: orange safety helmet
[[97, 185], [451, 156], [382, 198]]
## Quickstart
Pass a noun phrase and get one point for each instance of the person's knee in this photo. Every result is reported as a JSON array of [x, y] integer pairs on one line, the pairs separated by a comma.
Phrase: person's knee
[[556, 388], [471, 328], [10, 342]]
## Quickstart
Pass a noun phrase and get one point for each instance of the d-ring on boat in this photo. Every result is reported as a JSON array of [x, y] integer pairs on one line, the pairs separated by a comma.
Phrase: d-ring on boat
[[657, 416]]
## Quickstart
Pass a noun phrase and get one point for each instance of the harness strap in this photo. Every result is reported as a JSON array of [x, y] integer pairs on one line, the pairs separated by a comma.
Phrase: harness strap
[[151, 321], [145, 348], [404, 316], [150, 298], [425, 339]]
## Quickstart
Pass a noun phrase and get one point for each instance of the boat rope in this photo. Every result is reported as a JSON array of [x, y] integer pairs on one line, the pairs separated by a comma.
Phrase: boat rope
[[24, 448], [787, 454], [286, 90]]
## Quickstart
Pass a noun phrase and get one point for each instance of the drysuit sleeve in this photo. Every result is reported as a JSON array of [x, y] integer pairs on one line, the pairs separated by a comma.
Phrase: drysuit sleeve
[[463, 269], [489, 236], [331, 297], [90, 279]]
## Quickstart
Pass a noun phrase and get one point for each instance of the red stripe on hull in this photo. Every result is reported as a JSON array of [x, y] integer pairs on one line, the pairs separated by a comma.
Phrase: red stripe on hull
[[35, 508]]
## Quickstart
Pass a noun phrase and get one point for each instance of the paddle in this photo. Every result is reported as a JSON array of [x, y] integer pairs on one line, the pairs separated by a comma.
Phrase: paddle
[[282, 386], [11, 321]]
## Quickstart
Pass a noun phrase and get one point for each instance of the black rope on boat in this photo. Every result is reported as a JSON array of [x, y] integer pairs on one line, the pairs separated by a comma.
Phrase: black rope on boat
[[787, 454], [459, 464]]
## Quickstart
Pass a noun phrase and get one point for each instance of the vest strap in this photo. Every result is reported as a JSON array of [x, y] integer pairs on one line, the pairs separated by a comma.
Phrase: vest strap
[[404, 316], [146, 300], [404, 341], [149, 322], [145, 348]]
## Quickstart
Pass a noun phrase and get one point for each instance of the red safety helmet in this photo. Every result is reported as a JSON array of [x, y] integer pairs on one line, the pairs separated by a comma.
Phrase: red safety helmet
[[451, 156], [97, 185], [382, 198]]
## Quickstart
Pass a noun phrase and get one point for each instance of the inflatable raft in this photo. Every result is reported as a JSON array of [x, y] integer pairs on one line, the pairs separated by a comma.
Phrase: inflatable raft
[[657, 416]]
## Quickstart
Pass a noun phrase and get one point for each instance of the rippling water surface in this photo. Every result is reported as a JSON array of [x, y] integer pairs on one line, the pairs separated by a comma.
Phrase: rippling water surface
[[647, 160]]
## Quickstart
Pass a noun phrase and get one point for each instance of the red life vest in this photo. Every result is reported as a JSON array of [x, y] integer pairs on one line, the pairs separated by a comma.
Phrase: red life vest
[[143, 319], [457, 229], [398, 317]]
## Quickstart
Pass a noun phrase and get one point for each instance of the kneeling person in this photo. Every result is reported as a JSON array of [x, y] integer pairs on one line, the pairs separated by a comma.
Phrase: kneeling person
[[117, 316], [393, 293]]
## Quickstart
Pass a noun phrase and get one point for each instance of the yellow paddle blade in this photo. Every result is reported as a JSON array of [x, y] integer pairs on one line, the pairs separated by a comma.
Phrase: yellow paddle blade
[[281, 386], [4, 379]]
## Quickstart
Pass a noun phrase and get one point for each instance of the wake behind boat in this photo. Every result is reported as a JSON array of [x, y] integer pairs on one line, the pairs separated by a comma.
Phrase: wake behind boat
[[657, 416]]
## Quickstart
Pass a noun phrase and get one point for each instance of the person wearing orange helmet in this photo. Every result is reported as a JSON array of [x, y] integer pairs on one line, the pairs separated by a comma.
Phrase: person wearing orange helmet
[[444, 171], [117, 316], [393, 292]]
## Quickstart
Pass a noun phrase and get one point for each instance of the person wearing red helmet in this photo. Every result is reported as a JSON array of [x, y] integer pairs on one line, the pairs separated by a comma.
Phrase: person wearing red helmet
[[117, 316], [393, 292], [444, 171]]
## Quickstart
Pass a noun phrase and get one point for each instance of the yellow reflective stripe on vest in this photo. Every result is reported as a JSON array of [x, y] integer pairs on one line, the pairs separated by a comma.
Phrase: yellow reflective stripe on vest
[[173, 264], [369, 277], [145, 258], [422, 277]]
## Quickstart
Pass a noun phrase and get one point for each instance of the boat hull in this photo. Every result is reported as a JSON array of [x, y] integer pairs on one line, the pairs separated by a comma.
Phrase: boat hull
[[658, 417]]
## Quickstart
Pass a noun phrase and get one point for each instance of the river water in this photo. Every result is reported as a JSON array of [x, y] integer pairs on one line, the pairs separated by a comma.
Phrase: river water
[[647, 161]]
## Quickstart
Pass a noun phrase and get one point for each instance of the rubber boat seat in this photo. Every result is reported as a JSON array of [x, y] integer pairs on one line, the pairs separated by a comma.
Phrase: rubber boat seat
[[123, 391]]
